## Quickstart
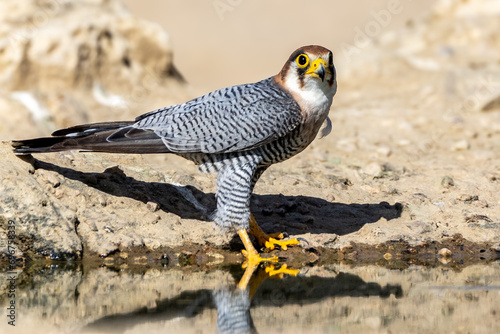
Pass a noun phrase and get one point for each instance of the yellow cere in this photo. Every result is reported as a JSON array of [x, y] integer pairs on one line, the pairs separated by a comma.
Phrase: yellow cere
[[315, 65]]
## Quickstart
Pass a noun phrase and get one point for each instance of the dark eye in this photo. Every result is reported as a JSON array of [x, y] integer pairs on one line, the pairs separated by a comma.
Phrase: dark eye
[[330, 59], [302, 60]]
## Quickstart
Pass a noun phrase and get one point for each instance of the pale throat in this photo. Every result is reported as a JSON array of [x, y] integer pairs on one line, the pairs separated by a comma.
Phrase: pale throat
[[314, 97]]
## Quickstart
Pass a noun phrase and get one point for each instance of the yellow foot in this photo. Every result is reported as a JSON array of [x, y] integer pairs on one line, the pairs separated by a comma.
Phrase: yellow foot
[[269, 241], [252, 261], [252, 257], [281, 271]]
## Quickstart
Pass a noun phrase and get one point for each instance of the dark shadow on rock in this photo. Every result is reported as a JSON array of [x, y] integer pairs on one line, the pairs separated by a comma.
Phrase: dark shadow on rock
[[302, 214], [113, 181], [291, 214]]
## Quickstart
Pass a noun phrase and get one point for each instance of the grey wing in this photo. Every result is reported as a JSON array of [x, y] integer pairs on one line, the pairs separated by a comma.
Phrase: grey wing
[[227, 120]]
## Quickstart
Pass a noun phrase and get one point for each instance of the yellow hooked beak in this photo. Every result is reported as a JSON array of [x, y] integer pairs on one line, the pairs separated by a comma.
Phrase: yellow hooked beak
[[318, 69]]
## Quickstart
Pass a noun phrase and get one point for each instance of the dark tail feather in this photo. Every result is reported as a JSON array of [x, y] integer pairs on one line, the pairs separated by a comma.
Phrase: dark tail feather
[[92, 127], [111, 137]]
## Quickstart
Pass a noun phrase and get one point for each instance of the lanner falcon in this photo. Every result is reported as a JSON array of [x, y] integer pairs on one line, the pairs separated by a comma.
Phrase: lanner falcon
[[237, 132]]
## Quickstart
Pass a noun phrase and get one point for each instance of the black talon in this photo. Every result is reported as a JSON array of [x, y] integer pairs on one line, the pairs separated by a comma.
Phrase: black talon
[[302, 239]]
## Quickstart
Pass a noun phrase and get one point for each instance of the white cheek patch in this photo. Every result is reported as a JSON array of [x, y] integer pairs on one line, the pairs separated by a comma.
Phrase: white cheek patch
[[315, 95], [292, 82]]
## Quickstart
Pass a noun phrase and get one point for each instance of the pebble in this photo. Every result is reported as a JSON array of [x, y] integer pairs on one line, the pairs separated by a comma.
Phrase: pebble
[[50, 178], [330, 198], [447, 182], [153, 206], [444, 252], [467, 198], [373, 169], [53, 180], [59, 193], [461, 145], [101, 200], [384, 151], [444, 260]]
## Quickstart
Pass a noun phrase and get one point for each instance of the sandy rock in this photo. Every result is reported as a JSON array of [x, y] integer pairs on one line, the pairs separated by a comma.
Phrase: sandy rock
[[45, 226], [53, 45], [72, 62], [60, 211]]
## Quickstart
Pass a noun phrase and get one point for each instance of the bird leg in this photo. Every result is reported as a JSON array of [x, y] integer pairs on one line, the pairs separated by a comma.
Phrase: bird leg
[[269, 241], [253, 259], [251, 254]]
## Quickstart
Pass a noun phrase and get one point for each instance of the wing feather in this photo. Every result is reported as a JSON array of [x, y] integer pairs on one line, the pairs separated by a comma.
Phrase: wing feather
[[227, 120]]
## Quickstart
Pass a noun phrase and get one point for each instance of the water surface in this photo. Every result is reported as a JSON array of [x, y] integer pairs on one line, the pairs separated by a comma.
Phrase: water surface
[[336, 298]]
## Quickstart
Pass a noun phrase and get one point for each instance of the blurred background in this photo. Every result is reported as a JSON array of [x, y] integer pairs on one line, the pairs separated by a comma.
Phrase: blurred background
[[66, 62], [220, 43]]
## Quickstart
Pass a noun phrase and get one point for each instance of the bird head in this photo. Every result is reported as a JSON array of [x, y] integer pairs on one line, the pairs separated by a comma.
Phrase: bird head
[[309, 75]]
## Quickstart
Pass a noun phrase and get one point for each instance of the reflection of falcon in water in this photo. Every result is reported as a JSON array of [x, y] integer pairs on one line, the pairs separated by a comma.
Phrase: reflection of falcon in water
[[237, 132], [233, 312], [237, 308]]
